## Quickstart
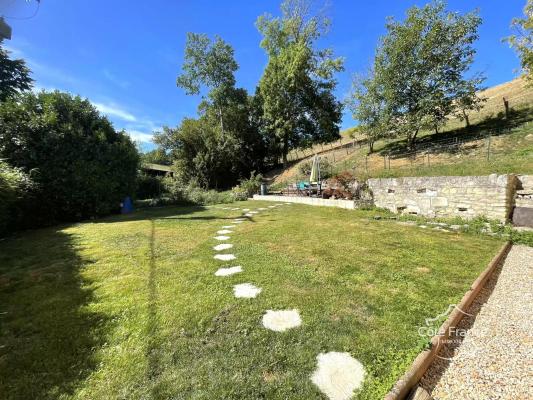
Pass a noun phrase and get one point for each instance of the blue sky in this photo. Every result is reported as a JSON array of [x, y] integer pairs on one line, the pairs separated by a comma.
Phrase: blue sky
[[125, 55]]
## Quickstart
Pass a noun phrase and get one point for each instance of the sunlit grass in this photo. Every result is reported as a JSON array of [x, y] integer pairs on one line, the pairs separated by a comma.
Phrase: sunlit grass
[[129, 307]]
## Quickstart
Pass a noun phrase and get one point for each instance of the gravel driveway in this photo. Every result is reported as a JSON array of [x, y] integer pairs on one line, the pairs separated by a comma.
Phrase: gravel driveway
[[493, 358]]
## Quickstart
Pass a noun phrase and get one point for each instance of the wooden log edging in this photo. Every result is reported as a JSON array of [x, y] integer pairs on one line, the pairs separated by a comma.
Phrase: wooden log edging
[[409, 380]]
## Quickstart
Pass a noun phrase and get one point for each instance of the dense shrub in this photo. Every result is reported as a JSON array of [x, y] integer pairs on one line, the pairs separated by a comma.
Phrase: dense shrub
[[148, 186], [192, 193], [251, 185], [82, 166], [15, 186]]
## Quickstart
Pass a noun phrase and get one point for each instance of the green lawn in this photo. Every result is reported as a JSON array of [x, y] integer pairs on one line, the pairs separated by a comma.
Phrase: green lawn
[[129, 307]]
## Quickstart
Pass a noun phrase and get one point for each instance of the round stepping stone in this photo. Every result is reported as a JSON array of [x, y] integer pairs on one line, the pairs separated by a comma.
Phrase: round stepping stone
[[239, 219], [246, 209], [236, 208], [248, 214], [223, 246], [338, 375], [238, 222], [228, 226], [271, 206], [224, 231], [224, 257], [228, 271], [221, 237], [261, 208], [246, 290], [281, 320], [253, 212]]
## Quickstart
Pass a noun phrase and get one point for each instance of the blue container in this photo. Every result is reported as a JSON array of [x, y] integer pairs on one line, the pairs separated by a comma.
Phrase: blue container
[[127, 206]]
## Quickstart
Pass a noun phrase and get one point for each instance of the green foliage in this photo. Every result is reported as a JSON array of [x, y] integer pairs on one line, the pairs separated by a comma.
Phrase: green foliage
[[251, 185], [156, 156], [522, 40], [420, 68], [82, 166], [368, 106], [297, 86], [15, 187], [192, 193], [14, 76], [148, 186]]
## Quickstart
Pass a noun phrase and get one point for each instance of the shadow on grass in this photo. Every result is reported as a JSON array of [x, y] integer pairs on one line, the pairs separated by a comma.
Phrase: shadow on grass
[[47, 334], [494, 125]]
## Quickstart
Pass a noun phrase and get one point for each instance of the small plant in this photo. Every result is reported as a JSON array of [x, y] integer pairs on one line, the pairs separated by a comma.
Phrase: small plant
[[250, 186]]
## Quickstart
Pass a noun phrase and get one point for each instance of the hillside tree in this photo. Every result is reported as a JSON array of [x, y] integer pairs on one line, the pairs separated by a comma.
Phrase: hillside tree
[[421, 66], [522, 40], [297, 86]]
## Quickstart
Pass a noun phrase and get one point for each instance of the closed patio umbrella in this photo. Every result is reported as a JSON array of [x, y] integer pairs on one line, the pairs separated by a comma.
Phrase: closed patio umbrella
[[315, 171]]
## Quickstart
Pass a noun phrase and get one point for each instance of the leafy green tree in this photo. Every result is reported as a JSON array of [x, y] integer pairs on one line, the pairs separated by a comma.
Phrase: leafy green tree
[[82, 166], [299, 107], [15, 187], [14, 76], [522, 40], [209, 64], [156, 156], [368, 107], [224, 144], [421, 65]]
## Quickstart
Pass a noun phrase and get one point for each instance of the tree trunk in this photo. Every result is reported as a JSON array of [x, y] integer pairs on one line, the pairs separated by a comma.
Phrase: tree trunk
[[436, 129], [370, 146], [465, 115], [411, 141], [221, 120], [285, 150]]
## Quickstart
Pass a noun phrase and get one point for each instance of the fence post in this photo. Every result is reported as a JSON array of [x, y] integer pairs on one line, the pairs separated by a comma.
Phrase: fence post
[[488, 147], [384, 162], [366, 164], [428, 161]]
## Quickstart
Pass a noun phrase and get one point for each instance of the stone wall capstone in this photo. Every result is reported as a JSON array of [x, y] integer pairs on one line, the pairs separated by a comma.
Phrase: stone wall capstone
[[447, 196]]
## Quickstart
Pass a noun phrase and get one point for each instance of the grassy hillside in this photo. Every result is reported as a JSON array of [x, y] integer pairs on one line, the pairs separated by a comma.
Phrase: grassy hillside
[[454, 151]]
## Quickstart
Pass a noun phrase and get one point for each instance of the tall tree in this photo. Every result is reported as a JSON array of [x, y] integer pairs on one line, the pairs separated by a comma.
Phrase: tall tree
[[210, 64], [421, 65], [522, 40], [299, 107], [368, 107], [14, 76]]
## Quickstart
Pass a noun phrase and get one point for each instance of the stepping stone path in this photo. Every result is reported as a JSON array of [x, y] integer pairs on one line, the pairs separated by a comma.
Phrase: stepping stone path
[[281, 320], [246, 290], [224, 257], [228, 271], [221, 237], [338, 375], [224, 246]]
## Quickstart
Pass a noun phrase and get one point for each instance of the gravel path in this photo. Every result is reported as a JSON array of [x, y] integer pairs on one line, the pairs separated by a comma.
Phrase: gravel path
[[494, 359]]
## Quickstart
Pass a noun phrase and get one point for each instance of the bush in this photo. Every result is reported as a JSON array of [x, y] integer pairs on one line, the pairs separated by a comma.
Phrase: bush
[[148, 186], [252, 185], [15, 187], [191, 193], [83, 167]]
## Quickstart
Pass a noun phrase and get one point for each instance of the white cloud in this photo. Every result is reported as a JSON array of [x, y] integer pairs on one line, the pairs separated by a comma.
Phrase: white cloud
[[139, 136], [115, 111]]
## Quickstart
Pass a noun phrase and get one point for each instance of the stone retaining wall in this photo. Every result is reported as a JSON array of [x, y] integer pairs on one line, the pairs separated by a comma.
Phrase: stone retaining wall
[[312, 201], [447, 196]]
